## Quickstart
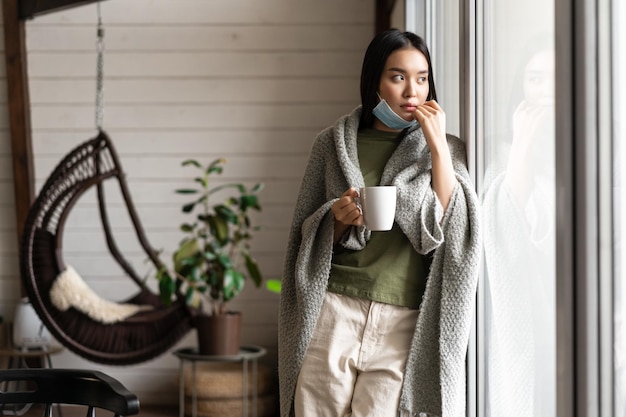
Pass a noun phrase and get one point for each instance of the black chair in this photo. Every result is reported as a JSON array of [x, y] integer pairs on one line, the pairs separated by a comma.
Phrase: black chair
[[92, 389]]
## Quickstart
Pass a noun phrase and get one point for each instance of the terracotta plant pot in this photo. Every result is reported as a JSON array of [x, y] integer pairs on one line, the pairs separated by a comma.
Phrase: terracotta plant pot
[[219, 335]]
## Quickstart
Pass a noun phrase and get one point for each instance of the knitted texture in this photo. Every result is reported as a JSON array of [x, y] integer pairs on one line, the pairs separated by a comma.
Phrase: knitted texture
[[435, 373]]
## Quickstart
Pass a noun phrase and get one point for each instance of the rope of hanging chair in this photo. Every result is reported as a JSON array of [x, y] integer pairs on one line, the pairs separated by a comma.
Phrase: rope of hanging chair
[[100, 72]]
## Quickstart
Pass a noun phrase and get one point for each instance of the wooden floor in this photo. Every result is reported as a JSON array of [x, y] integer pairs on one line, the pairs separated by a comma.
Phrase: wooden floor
[[75, 411]]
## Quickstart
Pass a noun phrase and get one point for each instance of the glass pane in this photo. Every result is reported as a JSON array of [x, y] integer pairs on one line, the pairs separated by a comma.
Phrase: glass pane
[[518, 207], [619, 130]]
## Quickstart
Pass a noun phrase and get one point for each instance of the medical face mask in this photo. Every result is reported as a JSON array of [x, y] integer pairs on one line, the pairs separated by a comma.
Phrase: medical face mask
[[386, 115]]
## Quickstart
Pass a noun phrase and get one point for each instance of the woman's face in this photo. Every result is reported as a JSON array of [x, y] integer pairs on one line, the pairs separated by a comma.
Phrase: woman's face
[[539, 79], [403, 83]]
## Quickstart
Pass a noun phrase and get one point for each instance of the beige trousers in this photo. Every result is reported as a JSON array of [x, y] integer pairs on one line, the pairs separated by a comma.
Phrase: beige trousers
[[355, 363]]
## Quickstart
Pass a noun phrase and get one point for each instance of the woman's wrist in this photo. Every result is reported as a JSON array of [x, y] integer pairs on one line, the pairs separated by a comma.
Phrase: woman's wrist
[[340, 230], [443, 175], [439, 148]]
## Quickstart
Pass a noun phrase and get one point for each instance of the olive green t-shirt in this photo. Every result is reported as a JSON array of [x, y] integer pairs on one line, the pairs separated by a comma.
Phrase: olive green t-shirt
[[388, 269]]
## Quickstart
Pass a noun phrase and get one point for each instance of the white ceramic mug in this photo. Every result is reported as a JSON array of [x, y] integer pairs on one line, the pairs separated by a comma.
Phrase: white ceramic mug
[[379, 206]]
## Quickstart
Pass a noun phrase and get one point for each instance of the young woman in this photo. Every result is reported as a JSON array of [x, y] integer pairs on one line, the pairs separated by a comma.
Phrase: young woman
[[376, 324]]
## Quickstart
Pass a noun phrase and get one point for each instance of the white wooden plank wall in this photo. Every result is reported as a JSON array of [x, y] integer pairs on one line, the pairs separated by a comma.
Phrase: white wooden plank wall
[[251, 81]]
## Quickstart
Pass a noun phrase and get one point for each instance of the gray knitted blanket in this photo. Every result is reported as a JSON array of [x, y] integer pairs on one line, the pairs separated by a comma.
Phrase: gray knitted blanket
[[435, 373]]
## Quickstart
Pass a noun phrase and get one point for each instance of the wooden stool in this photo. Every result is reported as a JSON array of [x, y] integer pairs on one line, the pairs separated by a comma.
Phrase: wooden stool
[[224, 386], [219, 387]]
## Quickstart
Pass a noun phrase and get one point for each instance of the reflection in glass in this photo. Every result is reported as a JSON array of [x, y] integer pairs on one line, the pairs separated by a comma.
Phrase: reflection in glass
[[519, 220]]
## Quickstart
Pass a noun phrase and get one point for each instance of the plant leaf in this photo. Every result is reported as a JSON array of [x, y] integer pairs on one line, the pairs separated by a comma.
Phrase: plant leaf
[[274, 285], [248, 201], [167, 287], [233, 283], [219, 229], [213, 280], [188, 208], [253, 270], [188, 249], [215, 166], [201, 181], [225, 261], [226, 213], [189, 296], [186, 191], [191, 162], [209, 256], [186, 227], [196, 272]]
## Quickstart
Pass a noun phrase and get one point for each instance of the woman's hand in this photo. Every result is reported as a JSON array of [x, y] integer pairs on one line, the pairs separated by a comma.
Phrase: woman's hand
[[347, 213], [432, 119], [532, 149]]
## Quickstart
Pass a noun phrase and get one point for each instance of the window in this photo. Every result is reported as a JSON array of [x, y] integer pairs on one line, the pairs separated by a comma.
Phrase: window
[[554, 276], [619, 131], [517, 189]]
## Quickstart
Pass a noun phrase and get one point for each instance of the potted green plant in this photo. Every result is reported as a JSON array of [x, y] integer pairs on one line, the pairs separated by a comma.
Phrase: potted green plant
[[213, 260]]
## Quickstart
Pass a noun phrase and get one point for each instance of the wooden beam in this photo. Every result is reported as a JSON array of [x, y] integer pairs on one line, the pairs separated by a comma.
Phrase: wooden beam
[[31, 8], [383, 11], [19, 111], [14, 14]]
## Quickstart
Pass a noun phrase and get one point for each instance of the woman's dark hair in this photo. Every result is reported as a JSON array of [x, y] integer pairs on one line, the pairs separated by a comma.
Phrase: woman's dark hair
[[374, 62]]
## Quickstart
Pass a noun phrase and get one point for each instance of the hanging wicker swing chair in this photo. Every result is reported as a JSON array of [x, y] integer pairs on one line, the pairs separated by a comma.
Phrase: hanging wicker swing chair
[[138, 338]]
